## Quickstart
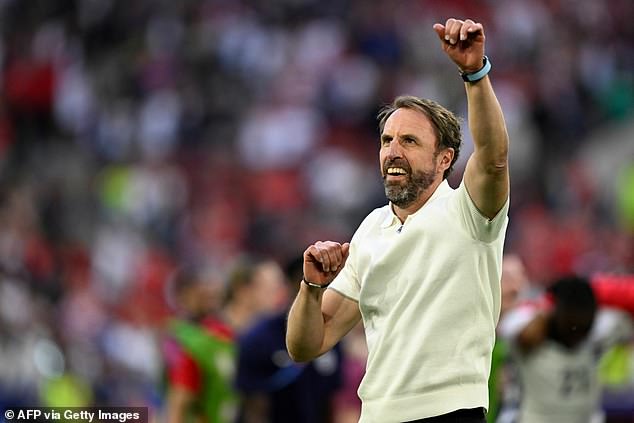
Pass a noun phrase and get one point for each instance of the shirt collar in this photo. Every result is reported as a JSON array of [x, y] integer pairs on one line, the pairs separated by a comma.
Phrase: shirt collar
[[391, 218]]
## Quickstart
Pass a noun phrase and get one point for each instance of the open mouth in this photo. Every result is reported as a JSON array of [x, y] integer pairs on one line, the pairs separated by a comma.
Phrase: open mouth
[[395, 172]]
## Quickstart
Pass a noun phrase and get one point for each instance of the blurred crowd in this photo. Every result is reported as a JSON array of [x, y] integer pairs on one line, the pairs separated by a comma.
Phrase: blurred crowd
[[139, 136]]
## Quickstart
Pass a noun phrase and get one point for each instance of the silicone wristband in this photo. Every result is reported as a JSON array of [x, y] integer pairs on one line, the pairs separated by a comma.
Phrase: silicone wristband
[[477, 75]]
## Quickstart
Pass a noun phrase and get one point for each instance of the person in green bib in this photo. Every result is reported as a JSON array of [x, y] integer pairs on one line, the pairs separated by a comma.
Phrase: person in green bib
[[199, 352]]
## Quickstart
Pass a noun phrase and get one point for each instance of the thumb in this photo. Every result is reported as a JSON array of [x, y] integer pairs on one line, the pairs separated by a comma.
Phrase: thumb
[[345, 249], [440, 31]]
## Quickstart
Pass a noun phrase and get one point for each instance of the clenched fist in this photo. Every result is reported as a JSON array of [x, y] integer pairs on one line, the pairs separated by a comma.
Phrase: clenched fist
[[463, 41], [324, 260]]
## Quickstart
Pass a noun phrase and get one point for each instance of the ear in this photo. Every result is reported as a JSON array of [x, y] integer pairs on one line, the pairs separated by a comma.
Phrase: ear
[[446, 157]]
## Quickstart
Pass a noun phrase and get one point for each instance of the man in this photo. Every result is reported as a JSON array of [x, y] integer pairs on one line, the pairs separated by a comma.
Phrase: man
[[424, 271], [255, 289], [275, 389], [199, 353], [557, 343]]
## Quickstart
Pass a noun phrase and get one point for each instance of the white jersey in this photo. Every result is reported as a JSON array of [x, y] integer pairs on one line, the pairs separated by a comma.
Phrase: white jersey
[[429, 295], [560, 384]]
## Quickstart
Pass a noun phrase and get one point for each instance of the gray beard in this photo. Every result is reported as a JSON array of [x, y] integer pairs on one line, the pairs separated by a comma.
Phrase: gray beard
[[403, 196]]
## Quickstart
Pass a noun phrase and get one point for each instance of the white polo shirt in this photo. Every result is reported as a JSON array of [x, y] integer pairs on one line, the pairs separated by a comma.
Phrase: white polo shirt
[[429, 296]]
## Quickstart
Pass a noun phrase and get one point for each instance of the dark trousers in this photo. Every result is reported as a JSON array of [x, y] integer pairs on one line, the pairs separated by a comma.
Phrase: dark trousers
[[471, 415]]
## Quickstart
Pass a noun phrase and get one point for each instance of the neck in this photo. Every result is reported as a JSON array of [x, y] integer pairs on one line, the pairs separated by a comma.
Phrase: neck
[[403, 212]]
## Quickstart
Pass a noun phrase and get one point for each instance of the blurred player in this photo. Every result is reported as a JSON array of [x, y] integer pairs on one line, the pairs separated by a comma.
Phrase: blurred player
[[275, 389], [557, 343], [256, 289], [199, 353]]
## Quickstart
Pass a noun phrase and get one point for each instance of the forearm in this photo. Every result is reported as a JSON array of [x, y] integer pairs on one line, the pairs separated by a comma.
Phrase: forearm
[[486, 122], [486, 175], [305, 328], [534, 333]]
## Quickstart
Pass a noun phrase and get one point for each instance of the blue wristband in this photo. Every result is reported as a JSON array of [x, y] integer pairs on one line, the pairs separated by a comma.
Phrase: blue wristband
[[478, 75]]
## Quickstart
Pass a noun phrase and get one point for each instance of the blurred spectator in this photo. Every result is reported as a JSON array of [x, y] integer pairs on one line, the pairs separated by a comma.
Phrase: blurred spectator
[[199, 352], [274, 388], [256, 289]]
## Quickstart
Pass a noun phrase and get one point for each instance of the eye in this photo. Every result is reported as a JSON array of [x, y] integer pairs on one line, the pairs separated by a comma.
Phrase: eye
[[385, 140], [409, 140]]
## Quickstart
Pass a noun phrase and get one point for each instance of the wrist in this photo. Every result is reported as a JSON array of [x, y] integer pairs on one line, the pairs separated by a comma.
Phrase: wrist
[[478, 74], [314, 294], [314, 285]]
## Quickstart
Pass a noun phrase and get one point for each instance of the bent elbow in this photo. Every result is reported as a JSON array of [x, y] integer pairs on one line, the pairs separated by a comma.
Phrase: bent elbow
[[297, 351], [298, 356]]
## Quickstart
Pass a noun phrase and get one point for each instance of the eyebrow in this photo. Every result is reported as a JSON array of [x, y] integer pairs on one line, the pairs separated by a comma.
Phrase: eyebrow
[[403, 136]]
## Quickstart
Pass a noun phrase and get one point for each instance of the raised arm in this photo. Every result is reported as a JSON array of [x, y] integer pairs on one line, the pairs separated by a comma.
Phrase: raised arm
[[319, 318], [614, 291], [486, 175], [526, 327]]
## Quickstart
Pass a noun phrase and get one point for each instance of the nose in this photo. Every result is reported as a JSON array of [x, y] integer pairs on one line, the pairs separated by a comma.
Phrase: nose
[[394, 149]]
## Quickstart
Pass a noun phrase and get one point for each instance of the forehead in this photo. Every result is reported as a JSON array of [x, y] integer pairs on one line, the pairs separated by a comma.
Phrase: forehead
[[408, 121]]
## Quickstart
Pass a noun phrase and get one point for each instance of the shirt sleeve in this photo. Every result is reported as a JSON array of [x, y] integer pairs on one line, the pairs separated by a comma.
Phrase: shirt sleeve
[[473, 221]]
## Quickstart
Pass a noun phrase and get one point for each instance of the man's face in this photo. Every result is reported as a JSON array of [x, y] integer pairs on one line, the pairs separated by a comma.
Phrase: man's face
[[268, 289], [572, 326], [202, 298], [410, 161]]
